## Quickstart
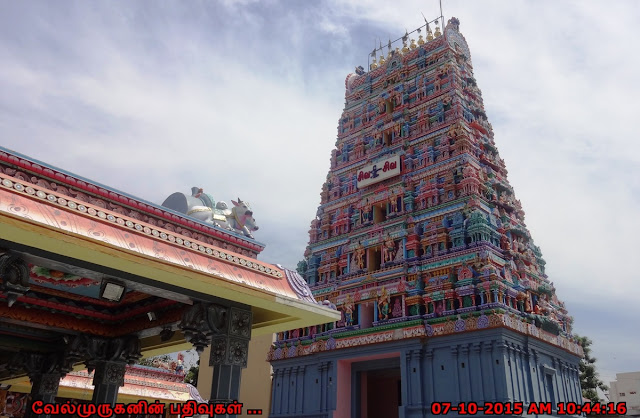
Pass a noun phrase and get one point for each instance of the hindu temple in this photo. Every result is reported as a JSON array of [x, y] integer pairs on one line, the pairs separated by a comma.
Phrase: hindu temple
[[93, 279], [420, 242]]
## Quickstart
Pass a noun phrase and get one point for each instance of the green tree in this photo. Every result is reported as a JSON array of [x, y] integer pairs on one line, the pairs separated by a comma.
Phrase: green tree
[[192, 375], [589, 380]]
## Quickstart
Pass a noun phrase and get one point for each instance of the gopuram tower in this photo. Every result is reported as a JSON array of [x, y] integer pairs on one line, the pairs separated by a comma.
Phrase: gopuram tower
[[421, 243]]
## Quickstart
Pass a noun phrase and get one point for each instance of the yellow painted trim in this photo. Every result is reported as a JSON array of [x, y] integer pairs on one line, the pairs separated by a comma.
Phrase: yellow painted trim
[[44, 237]]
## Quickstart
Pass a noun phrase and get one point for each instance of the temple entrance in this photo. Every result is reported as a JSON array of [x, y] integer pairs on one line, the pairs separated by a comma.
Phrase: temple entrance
[[378, 389]]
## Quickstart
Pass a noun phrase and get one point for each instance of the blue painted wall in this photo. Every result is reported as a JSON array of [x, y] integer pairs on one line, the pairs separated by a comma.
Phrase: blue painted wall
[[483, 366]]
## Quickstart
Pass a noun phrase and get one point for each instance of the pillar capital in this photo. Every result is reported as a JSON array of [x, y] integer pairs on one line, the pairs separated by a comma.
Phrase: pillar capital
[[14, 277], [92, 349], [45, 371], [228, 330], [34, 363]]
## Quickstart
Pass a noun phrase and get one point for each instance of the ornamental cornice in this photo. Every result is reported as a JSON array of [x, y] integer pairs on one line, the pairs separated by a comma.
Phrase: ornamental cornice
[[51, 179], [101, 215], [395, 332]]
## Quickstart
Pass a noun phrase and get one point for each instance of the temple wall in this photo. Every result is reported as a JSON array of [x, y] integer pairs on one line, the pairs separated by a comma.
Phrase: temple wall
[[487, 366], [255, 384]]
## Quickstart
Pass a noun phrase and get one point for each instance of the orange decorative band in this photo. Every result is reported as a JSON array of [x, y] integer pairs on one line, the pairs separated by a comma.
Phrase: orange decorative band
[[141, 228]]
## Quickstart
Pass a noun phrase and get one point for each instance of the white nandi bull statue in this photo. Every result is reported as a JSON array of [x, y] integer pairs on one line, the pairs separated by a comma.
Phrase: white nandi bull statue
[[202, 207]]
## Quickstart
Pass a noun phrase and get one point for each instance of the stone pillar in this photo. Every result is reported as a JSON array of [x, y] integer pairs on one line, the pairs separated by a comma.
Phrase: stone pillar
[[503, 381], [454, 361], [300, 390], [107, 358], [429, 380], [45, 371], [490, 394], [464, 365], [107, 380], [228, 330], [475, 358], [414, 379]]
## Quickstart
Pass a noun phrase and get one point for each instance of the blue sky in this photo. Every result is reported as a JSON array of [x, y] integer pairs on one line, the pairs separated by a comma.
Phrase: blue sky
[[243, 99]]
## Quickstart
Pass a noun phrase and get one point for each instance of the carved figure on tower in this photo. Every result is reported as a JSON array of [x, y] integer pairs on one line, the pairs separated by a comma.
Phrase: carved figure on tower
[[383, 305], [358, 257], [348, 311], [388, 250]]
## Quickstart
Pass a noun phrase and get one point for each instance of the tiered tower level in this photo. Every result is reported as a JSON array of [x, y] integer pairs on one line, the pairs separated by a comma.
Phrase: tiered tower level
[[421, 243]]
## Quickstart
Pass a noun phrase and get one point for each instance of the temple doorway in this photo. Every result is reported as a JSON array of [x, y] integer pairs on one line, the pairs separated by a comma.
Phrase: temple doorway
[[378, 389]]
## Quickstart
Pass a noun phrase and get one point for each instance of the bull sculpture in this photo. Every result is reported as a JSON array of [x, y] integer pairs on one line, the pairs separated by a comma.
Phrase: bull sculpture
[[202, 207]]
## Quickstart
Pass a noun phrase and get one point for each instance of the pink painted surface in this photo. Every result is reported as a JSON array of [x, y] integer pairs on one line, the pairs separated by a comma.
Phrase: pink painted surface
[[72, 222], [73, 181], [343, 399], [134, 386]]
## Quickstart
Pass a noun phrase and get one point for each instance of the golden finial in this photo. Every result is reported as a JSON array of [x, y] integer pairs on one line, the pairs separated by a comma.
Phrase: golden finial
[[437, 31], [420, 40], [413, 43], [405, 49], [429, 34], [374, 64], [382, 60]]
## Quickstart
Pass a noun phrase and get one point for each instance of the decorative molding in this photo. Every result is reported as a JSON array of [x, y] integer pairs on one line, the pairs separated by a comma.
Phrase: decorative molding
[[298, 284], [109, 373], [14, 273], [93, 350], [495, 320], [228, 330], [48, 178], [135, 226]]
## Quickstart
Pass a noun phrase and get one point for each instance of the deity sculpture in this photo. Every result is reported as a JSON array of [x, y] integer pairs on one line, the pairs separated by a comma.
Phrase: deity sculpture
[[393, 204], [527, 304], [348, 311], [358, 257], [383, 305], [388, 250]]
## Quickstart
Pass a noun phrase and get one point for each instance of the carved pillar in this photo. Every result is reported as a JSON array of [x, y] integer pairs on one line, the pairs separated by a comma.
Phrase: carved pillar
[[429, 396], [107, 380], [108, 357], [14, 277], [454, 357], [45, 371], [488, 372], [228, 330]]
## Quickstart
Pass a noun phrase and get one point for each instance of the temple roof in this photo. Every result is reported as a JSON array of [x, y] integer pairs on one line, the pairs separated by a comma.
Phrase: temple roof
[[76, 235]]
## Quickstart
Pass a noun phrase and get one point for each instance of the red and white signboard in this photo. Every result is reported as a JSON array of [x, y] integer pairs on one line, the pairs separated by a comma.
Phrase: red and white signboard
[[379, 171]]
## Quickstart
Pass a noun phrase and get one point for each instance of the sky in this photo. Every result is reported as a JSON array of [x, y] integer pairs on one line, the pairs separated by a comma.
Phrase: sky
[[242, 98]]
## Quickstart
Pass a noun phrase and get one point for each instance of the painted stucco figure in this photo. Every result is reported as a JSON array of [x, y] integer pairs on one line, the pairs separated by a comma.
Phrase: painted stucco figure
[[202, 207]]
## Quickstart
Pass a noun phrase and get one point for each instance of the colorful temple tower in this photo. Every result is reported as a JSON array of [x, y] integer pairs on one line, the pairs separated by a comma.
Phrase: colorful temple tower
[[420, 242]]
